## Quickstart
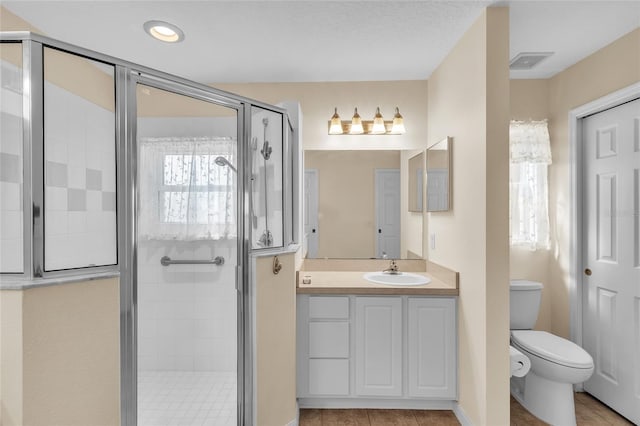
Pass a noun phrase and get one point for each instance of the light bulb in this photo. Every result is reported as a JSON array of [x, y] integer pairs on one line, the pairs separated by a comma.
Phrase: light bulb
[[356, 124], [378, 124]]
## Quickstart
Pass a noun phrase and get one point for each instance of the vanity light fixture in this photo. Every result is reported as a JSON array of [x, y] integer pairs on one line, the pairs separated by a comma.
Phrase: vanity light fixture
[[398, 124], [358, 126], [164, 31], [335, 125], [378, 124]]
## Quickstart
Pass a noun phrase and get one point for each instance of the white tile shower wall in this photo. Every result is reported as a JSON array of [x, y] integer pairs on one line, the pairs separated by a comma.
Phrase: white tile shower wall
[[11, 238], [187, 313], [80, 191]]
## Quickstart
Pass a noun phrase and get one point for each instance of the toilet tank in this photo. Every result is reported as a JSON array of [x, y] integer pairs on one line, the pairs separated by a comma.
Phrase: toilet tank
[[524, 303]]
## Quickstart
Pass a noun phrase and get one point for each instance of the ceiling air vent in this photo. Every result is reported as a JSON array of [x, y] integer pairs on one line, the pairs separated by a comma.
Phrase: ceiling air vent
[[528, 60]]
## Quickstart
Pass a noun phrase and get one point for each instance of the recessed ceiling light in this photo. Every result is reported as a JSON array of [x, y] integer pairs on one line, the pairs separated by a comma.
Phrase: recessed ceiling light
[[164, 31]]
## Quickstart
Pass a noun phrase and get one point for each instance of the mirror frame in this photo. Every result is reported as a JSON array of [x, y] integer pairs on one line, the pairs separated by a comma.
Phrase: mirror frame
[[416, 179], [447, 204]]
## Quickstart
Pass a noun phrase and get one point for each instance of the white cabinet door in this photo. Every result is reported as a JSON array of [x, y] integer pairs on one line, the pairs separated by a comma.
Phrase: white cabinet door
[[378, 352], [431, 348]]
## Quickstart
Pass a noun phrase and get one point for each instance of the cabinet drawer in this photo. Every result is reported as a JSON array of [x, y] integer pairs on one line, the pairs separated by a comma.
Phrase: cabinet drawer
[[329, 376], [321, 307], [329, 339]]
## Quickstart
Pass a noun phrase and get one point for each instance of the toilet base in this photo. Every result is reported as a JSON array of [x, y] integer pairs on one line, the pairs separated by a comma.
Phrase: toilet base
[[550, 401]]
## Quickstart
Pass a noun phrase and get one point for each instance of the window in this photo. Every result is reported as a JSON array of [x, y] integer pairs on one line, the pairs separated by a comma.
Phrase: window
[[187, 189], [195, 190], [530, 156]]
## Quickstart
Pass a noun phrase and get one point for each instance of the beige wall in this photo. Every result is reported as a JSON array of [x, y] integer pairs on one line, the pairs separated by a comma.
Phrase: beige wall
[[317, 101], [61, 354], [11, 364], [76, 74], [346, 200], [530, 101], [612, 68], [468, 100], [275, 323], [12, 22]]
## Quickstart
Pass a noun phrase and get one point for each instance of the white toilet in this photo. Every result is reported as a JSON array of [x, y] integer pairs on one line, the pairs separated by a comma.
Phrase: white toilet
[[556, 363]]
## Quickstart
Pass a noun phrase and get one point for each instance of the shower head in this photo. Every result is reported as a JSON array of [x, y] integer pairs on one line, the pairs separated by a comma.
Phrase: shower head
[[221, 161]]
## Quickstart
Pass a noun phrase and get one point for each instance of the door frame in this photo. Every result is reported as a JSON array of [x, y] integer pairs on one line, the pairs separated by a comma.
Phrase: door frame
[[576, 265]]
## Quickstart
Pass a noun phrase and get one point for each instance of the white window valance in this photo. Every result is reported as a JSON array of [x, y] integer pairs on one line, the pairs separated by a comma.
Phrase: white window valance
[[529, 142], [530, 156], [184, 194]]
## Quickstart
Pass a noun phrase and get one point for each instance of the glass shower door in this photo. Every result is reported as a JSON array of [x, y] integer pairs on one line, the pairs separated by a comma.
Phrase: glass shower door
[[187, 252]]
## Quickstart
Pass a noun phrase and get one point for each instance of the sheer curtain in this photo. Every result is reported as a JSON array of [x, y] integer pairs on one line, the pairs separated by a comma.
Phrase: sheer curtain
[[184, 194], [530, 156]]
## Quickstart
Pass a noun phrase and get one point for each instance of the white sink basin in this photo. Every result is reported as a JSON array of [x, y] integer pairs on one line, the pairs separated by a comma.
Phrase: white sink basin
[[400, 279]]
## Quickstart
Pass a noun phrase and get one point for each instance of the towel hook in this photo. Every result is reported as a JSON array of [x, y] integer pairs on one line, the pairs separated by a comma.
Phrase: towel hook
[[277, 266]]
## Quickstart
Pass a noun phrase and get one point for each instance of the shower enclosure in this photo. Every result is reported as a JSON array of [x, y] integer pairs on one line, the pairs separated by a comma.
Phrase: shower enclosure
[[187, 237], [110, 169]]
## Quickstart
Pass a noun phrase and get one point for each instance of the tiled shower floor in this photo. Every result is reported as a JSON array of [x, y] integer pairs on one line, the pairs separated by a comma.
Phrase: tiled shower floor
[[186, 398]]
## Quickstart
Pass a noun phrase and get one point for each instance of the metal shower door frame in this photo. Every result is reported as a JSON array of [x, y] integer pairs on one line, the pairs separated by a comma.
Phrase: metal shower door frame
[[129, 280]]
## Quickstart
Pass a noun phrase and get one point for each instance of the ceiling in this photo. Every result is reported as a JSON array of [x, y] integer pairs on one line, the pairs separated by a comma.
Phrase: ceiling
[[306, 41]]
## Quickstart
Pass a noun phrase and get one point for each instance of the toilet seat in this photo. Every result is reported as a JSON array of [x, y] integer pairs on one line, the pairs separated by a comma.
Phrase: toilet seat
[[552, 348]]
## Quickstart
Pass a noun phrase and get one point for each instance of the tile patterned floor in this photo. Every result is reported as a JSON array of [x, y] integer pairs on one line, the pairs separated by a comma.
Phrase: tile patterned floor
[[186, 398]]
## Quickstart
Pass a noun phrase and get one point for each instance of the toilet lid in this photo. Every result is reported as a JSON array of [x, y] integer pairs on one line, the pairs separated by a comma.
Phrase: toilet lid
[[515, 285], [552, 348]]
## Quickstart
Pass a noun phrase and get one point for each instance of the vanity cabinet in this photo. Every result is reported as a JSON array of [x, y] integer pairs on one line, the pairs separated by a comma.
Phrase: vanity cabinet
[[378, 349], [354, 350]]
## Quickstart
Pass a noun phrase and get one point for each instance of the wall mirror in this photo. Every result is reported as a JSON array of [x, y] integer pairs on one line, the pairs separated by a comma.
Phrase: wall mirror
[[352, 204], [416, 179], [439, 176]]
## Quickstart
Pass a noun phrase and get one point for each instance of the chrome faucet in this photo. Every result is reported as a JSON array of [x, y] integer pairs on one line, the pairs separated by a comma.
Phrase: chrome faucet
[[392, 269]]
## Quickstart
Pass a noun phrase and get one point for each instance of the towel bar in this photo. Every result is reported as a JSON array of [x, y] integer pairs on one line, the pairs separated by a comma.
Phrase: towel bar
[[166, 261]]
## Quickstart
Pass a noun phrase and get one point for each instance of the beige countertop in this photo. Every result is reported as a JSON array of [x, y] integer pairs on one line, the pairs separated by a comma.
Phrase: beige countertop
[[353, 282]]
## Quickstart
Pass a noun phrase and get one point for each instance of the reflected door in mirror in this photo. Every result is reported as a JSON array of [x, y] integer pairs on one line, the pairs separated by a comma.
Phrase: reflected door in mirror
[[388, 213], [311, 231]]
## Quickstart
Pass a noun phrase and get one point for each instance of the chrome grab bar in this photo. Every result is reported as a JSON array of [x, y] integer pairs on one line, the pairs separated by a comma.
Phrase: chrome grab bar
[[166, 261]]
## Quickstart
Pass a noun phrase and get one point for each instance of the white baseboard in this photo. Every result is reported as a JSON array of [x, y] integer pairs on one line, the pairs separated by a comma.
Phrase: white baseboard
[[460, 415], [296, 421], [344, 403], [293, 422]]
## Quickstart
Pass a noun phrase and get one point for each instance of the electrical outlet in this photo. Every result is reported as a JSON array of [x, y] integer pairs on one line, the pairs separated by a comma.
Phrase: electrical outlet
[[432, 238]]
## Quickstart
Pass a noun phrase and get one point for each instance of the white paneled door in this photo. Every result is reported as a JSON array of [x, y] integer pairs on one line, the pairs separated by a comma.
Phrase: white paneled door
[[310, 212], [388, 213], [611, 256]]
